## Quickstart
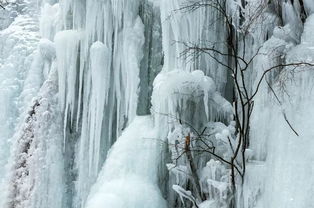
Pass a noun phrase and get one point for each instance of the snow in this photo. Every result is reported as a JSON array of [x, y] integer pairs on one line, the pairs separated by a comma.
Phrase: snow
[[129, 176]]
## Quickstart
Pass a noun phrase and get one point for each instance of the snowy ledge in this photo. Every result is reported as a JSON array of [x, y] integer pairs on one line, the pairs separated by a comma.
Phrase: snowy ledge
[[172, 91]]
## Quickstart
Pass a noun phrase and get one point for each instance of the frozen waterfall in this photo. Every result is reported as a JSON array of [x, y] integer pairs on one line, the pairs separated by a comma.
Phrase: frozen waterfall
[[144, 103]]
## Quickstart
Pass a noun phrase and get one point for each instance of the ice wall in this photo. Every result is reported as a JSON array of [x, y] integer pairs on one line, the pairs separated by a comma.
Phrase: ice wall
[[82, 72], [280, 173], [108, 83]]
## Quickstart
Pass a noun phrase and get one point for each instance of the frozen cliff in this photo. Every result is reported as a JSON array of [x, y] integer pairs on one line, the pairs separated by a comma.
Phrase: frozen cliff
[[156, 103]]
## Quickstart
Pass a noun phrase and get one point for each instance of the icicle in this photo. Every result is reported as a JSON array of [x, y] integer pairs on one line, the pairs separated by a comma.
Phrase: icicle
[[111, 79], [49, 21], [182, 28], [67, 51], [175, 87], [100, 72], [132, 49]]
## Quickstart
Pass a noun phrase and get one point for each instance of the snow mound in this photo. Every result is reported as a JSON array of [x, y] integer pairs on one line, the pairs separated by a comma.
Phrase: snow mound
[[129, 176]]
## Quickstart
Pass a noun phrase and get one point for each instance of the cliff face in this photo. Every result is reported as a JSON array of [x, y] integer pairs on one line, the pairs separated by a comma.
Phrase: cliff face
[[132, 104]]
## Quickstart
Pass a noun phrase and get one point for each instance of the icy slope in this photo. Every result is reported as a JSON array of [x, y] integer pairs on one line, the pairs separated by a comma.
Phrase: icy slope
[[129, 176]]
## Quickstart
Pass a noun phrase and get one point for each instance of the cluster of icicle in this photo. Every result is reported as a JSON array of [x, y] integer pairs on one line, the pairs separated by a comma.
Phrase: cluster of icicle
[[84, 75], [92, 51]]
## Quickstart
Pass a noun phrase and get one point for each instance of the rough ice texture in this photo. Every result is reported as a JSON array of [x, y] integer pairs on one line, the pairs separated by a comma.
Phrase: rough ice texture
[[36, 172], [18, 44]]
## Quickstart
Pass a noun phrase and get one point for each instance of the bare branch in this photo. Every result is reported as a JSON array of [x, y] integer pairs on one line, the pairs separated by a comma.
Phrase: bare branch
[[276, 67], [284, 113]]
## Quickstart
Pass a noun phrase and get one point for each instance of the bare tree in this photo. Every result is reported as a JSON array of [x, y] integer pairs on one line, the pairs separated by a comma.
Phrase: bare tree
[[244, 97]]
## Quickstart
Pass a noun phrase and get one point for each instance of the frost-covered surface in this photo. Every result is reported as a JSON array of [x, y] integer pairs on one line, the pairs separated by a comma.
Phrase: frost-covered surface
[[36, 168], [18, 43], [76, 74], [129, 176], [31, 110]]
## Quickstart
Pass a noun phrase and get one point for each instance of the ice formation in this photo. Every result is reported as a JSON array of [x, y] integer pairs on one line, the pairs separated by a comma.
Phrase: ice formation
[[101, 98], [278, 174], [129, 177]]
